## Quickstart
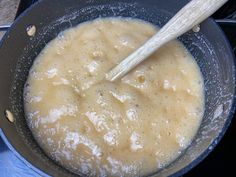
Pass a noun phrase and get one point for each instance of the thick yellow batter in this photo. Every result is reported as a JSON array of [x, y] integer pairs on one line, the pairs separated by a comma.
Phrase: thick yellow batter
[[131, 127]]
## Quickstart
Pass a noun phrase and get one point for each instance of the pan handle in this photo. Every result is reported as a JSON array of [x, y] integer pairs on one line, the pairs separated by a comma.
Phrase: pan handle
[[5, 27]]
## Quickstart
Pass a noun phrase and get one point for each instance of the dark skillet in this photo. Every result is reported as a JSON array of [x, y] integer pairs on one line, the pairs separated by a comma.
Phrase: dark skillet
[[18, 50]]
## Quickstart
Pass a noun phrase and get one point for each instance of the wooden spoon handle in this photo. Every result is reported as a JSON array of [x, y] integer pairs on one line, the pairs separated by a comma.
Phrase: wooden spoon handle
[[190, 15]]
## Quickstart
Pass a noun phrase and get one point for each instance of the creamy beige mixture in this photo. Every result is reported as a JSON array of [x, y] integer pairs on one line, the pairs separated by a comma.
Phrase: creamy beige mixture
[[130, 127]]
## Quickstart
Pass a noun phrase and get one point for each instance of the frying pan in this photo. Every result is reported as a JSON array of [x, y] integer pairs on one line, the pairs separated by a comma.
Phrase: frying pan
[[18, 51]]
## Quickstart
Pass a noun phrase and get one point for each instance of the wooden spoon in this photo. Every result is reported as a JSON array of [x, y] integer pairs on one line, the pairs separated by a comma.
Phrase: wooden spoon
[[189, 16]]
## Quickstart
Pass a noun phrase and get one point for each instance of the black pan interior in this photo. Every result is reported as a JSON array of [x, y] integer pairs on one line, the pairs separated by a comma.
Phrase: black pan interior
[[18, 52]]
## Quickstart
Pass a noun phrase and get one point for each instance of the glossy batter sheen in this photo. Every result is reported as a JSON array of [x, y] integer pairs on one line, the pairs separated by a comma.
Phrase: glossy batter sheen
[[130, 127]]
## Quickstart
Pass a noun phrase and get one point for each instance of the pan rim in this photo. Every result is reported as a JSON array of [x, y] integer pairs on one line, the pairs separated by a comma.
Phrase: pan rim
[[178, 173]]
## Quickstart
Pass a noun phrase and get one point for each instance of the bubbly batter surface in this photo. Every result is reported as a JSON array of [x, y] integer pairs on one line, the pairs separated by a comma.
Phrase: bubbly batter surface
[[130, 127]]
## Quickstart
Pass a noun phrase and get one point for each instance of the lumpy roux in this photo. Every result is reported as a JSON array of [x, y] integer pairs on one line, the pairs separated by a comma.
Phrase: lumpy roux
[[131, 127]]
